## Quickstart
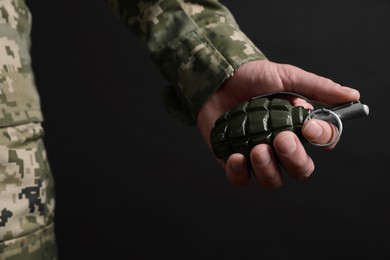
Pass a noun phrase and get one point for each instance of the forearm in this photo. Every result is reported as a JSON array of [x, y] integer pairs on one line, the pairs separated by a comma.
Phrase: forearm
[[197, 45]]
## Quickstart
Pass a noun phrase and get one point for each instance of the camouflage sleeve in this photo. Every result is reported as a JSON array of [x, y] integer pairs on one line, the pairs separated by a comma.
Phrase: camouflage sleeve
[[196, 44]]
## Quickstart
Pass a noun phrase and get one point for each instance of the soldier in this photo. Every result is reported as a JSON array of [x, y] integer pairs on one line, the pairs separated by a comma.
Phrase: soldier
[[211, 65]]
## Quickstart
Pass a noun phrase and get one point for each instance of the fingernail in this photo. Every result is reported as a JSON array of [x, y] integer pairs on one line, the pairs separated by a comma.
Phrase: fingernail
[[263, 157], [287, 145], [350, 90], [313, 130]]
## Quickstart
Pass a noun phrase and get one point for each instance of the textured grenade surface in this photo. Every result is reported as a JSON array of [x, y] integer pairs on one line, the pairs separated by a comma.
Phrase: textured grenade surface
[[254, 122]]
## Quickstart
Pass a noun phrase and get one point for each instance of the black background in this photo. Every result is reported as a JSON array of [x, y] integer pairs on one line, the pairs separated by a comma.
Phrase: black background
[[134, 183]]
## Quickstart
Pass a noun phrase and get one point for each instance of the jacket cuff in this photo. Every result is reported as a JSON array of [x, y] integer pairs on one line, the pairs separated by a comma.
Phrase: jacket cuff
[[198, 64], [197, 45]]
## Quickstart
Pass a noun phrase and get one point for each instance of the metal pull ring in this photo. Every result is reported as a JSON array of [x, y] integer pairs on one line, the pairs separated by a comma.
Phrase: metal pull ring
[[324, 111]]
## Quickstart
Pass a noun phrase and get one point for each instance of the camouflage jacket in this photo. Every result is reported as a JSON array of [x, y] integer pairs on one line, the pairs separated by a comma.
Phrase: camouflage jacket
[[196, 44]]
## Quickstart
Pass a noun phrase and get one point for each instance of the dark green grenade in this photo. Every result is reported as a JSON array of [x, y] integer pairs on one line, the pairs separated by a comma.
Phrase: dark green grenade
[[260, 119], [254, 122]]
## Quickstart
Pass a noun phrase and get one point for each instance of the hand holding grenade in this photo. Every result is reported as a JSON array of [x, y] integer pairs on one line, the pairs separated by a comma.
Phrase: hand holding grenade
[[260, 119]]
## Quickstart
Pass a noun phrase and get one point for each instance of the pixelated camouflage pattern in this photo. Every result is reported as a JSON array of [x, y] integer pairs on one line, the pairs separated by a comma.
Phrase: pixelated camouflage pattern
[[26, 184], [35, 246], [19, 100], [196, 44], [27, 194]]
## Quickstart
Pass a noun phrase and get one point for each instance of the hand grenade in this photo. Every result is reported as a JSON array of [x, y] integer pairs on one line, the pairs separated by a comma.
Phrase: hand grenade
[[260, 119]]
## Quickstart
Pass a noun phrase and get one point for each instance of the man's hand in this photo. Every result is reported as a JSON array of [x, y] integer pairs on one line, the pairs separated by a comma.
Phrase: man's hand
[[259, 78]]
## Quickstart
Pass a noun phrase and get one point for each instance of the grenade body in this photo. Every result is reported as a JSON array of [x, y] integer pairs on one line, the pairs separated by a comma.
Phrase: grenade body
[[254, 122]]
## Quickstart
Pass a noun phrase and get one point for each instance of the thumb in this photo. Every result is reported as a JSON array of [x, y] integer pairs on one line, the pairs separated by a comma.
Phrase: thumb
[[320, 132], [315, 87]]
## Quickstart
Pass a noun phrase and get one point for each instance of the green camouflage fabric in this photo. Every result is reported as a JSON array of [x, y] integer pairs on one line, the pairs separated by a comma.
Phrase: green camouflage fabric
[[26, 195], [26, 184], [196, 44], [19, 100]]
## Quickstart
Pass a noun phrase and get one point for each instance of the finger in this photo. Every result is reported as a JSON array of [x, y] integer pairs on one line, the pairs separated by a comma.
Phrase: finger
[[320, 132], [237, 170], [301, 102], [315, 87], [265, 167], [293, 156]]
